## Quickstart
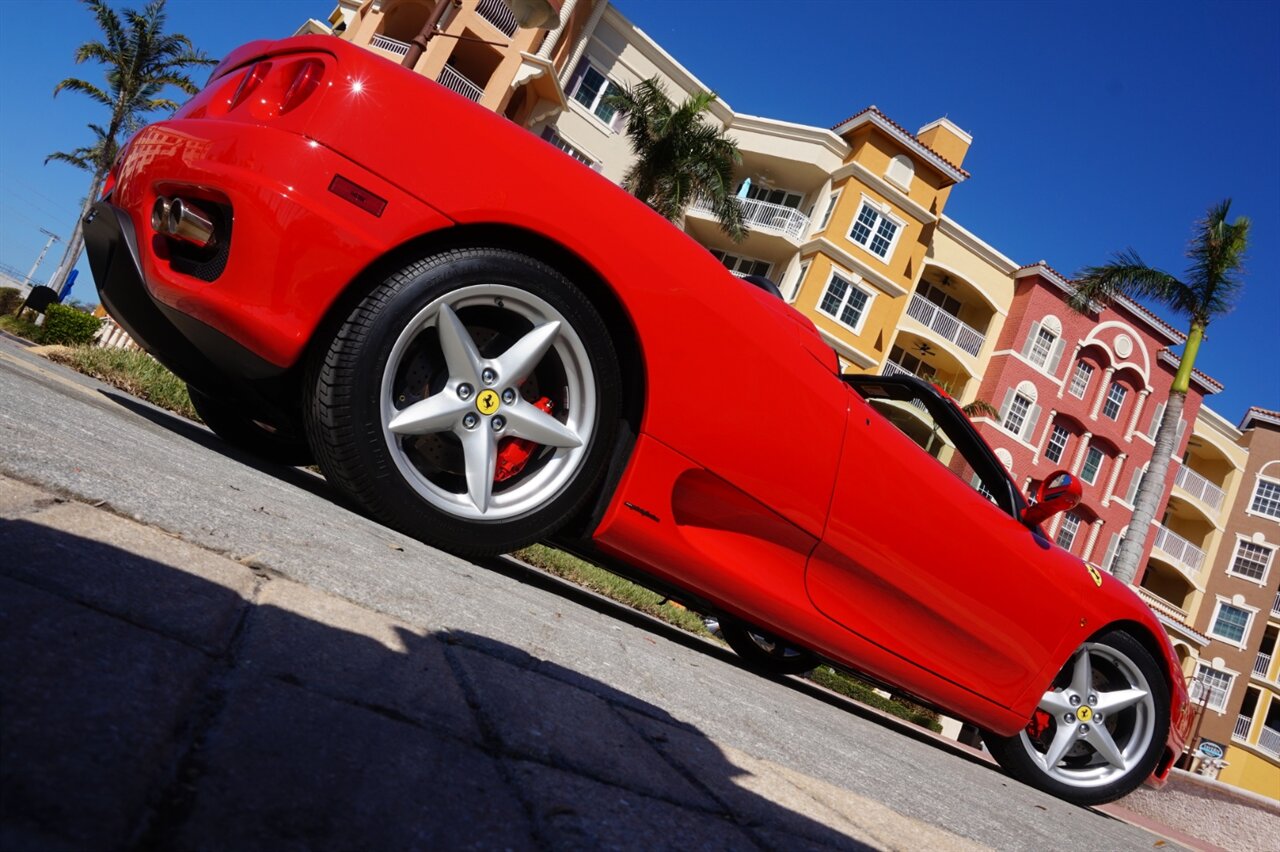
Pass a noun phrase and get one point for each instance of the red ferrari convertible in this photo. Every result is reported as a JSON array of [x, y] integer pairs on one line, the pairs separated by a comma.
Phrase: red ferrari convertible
[[485, 344]]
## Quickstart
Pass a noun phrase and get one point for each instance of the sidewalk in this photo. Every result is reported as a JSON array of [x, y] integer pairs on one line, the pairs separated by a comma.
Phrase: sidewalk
[[157, 695]]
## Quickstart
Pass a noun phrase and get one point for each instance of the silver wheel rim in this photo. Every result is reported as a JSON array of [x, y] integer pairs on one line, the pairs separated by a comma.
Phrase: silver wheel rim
[[461, 383], [1112, 720]]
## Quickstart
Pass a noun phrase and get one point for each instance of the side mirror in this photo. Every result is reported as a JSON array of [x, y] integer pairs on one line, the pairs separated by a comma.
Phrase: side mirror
[[1059, 492]]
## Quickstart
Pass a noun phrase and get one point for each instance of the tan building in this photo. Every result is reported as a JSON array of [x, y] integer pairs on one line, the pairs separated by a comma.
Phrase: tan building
[[1239, 668]]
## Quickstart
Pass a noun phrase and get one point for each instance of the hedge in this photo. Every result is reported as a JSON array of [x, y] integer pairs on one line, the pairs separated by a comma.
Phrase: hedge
[[67, 326], [10, 300]]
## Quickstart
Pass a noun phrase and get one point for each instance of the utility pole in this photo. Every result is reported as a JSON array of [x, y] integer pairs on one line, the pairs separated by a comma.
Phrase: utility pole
[[53, 238]]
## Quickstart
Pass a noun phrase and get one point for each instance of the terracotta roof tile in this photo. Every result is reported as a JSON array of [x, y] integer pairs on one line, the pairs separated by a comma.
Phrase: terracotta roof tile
[[1123, 300], [904, 131]]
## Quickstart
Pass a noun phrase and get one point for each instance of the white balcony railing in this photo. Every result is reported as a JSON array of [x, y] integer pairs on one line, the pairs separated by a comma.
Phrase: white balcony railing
[[498, 13], [1199, 487], [966, 337], [1241, 732], [1182, 551], [892, 368], [1275, 604], [1262, 664], [765, 215], [1269, 741], [390, 45], [452, 79], [1160, 605], [111, 336]]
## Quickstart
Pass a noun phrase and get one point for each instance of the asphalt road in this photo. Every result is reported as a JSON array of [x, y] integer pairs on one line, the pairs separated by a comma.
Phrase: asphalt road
[[68, 433]]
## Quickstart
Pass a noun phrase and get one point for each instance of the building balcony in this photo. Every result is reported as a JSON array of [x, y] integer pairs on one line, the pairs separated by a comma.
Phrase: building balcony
[[765, 216], [1161, 606], [1241, 732], [390, 45], [1183, 554], [1200, 488], [1262, 665], [1275, 605], [453, 80], [943, 324], [892, 369], [1269, 741], [498, 13]]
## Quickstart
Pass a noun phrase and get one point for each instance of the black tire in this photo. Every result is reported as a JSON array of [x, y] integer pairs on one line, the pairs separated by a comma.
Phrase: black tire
[[392, 353], [230, 423], [1134, 733], [763, 651]]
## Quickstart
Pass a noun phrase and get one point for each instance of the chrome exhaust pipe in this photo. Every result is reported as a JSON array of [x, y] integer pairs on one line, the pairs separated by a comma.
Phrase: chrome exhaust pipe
[[188, 222], [160, 215]]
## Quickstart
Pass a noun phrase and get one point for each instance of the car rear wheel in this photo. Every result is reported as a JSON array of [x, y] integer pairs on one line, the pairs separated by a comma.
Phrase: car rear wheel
[[233, 424], [1099, 730], [469, 400], [765, 652]]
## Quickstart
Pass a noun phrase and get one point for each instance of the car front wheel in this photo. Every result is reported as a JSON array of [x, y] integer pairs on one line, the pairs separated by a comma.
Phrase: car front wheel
[[469, 400], [1099, 730], [765, 652]]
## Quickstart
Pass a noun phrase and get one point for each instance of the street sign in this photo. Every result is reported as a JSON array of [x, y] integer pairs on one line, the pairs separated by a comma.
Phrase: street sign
[[1211, 750]]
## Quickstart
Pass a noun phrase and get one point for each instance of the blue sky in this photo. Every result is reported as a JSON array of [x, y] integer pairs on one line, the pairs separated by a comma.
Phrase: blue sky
[[1096, 126]]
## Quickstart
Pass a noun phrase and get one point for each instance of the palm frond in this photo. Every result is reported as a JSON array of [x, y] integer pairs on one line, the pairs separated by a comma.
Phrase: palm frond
[[1125, 275]]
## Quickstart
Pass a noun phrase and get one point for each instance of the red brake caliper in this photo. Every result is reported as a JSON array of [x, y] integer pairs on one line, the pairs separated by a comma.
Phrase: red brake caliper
[[1039, 724], [514, 453]]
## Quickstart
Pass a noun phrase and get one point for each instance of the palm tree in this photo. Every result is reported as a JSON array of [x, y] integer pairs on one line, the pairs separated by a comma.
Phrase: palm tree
[[140, 60], [1206, 291], [680, 156]]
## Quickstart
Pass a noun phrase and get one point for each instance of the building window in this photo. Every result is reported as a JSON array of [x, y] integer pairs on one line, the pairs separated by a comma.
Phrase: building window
[[781, 197], [831, 208], [1017, 414], [1057, 443], [1042, 346], [1230, 623], [742, 265], [1266, 499], [911, 363], [845, 301], [549, 133], [1080, 379], [1218, 684], [591, 90], [1115, 399], [1092, 464], [1251, 560], [1067, 534], [875, 231], [939, 297]]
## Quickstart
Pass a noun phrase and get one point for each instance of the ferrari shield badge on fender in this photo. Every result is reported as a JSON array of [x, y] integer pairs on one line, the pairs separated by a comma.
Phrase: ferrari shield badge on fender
[[1095, 574]]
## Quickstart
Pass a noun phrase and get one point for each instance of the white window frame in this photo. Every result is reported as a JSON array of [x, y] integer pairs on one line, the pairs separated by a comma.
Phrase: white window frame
[[1248, 624], [551, 134], [1022, 417], [1072, 521], [1080, 379], [614, 122], [1116, 395], [832, 200], [1253, 497], [1040, 334], [882, 212], [1057, 429], [1090, 453], [720, 255], [1241, 542], [1201, 666], [855, 283]]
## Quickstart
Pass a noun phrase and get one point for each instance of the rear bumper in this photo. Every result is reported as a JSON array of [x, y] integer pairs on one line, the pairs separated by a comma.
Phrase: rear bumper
[[294, 247]]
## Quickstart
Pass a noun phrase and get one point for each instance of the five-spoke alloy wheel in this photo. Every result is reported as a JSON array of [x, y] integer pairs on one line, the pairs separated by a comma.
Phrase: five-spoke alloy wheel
[[1100, 728], [470, 401]]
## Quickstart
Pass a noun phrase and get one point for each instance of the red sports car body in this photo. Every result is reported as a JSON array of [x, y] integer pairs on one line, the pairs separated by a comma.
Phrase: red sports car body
[[485, 344]]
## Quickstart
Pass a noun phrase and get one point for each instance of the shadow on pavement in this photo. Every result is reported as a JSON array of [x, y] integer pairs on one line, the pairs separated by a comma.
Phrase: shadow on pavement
[[213, 707]]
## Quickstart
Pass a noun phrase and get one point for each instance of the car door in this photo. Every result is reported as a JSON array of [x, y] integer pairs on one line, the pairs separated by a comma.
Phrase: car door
[[923, 554]]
